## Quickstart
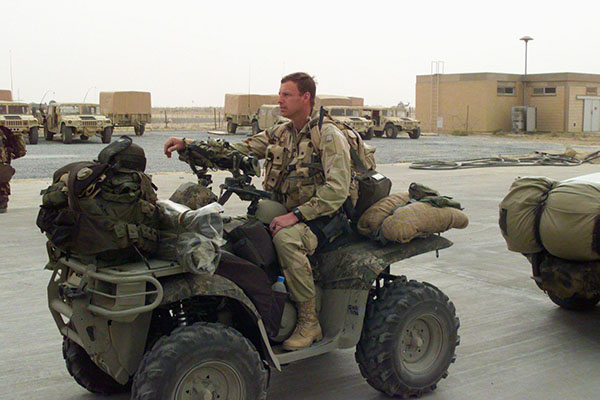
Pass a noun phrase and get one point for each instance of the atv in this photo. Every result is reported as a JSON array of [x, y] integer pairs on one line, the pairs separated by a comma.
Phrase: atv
[[164, 333]]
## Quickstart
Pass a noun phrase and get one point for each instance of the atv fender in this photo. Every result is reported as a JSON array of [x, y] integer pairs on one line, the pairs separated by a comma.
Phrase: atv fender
[[179, 287]]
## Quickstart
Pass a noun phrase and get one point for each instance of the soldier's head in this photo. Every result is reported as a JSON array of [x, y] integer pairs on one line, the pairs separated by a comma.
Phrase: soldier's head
[[297, 94]]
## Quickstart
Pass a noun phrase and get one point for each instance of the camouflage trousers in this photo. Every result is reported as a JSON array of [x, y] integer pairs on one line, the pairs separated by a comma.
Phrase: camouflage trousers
[[293, 245], [4, 192]]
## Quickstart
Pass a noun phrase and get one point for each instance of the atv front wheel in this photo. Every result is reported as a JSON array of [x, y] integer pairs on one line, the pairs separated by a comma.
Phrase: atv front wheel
[[86, 373], [204, 361], [408, 340], [575, 302]]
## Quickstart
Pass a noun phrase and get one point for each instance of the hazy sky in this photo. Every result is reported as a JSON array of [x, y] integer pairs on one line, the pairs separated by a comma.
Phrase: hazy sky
[[190, 53]]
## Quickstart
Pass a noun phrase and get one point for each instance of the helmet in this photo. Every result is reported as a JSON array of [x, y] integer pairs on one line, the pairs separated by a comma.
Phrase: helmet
[[128, 154], [269, 209], [193, 195]]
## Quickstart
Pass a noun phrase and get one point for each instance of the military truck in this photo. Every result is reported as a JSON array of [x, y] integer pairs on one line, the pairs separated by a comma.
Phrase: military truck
[[268, 115], [390, 120], [240, 109], [352, 117], [18, 118], [127, 109], [76, 120]]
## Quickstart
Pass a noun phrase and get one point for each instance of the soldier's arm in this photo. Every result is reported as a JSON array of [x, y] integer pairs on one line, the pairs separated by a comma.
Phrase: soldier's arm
[[335, 159], [257, 145]]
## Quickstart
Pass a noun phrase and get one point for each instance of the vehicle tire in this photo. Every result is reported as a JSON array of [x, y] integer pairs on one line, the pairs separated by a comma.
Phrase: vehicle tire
[[231, 127], [142, 129], [47, 134], [378, 133], [33, 135], [228, 365], [67, 134], [575, 302], [255, 128], [408, 339], [368, 135], [136, 129], [86, 373], [107, 134], [391, 131], [415, 133]]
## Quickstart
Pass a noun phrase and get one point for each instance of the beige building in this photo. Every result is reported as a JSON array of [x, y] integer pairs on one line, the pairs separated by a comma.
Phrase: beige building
[[482, 102]]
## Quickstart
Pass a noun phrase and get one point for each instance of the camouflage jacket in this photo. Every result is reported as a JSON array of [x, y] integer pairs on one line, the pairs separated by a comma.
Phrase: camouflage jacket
[[309, 169], [11, 145]]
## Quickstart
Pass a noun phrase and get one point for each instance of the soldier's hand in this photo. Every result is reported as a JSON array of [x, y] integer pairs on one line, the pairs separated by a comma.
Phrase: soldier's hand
[[281, 222], [173, 144]]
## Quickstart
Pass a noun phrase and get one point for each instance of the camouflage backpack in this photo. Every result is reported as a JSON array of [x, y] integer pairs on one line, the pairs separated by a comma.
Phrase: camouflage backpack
[[105, 208]]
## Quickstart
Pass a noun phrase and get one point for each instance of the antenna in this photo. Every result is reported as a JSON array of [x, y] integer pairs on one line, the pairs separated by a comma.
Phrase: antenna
[[11, 76]]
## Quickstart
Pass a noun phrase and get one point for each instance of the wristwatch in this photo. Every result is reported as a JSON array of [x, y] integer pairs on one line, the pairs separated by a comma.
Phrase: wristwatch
[[298, 214]]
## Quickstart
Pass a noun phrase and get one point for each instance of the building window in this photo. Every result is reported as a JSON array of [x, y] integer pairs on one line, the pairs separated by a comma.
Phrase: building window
[[544, 91], [505, 89], [591, 91]]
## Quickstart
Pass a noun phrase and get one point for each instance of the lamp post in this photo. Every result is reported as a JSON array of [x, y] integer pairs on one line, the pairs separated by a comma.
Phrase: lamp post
[[525, 39]]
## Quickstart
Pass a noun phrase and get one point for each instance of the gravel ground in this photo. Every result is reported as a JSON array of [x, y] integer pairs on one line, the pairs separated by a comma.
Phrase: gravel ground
[[45, 157]]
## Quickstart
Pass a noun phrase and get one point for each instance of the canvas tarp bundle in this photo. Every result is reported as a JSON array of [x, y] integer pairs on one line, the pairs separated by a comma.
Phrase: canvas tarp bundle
[[370, 222], [569, 224], [519, 210], [419, 219]]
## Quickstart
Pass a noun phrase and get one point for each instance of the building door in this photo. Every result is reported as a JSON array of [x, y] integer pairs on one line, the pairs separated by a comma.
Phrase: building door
[[591, 115]]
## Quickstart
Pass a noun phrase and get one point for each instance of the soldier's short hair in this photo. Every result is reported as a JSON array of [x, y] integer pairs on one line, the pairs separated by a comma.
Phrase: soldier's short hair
[[305, 83]]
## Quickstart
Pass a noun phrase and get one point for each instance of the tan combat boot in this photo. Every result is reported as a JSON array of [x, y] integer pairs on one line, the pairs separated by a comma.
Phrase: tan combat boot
[[308, 329]]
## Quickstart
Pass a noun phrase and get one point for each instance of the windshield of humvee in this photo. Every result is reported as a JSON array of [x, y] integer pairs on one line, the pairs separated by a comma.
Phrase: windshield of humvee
[[69, 110], [95, 110], [18, 109], [387, 113], [337, 112], [352, 113]]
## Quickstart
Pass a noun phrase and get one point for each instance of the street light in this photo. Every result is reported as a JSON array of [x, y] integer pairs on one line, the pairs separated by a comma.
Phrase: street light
[[525, 39]]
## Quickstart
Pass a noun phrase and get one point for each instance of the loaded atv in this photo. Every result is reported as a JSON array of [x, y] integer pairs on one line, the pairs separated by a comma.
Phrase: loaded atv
[[166, 333]]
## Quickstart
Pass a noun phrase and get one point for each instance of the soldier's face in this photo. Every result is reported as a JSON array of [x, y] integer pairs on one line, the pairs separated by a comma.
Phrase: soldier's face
[[291, 102]]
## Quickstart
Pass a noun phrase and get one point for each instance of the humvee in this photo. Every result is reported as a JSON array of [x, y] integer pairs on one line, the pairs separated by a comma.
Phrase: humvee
[[352, 117], [390, 120], [18, 118], [76, 120], [267, 116]]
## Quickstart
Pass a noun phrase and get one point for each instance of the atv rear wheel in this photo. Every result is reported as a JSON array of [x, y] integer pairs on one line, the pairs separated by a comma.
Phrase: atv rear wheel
[[86, 373], [575, 302], [391, 131], [204, 360], [408, 340]]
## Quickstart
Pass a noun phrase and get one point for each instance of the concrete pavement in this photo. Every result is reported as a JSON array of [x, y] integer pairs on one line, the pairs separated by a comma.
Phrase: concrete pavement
[[515, 343]]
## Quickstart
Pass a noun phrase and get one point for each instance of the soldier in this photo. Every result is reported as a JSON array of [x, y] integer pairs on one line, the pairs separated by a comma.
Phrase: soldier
[[309, 171], [11, 146]]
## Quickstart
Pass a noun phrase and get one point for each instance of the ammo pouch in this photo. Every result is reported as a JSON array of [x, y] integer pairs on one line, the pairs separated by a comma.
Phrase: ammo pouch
[[253, 243], [372, 187], [328, 228], [6, 172]]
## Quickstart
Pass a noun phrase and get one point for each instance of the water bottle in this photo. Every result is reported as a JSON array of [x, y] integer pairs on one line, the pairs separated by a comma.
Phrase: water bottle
[[279, 286]]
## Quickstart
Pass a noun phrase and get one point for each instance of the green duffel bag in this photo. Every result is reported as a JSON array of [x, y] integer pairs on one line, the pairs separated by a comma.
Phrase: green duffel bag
[[520, 210], [570, 223]]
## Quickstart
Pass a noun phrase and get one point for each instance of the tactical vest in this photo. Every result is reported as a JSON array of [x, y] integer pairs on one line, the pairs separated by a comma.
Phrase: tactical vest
[[96, 209]]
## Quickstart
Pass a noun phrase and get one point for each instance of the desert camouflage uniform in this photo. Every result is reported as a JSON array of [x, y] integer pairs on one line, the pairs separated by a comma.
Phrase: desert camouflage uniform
[[310, 174], [12, 146]]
